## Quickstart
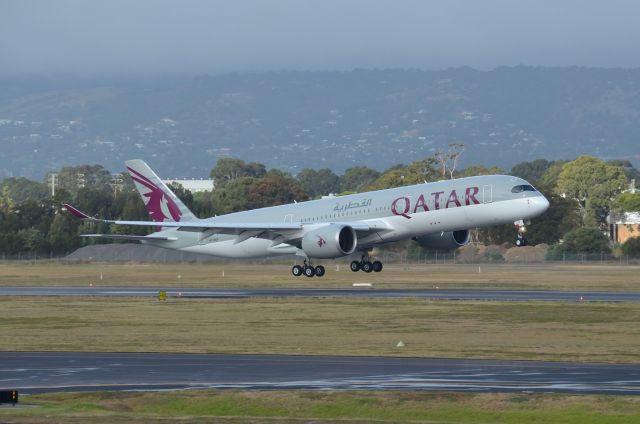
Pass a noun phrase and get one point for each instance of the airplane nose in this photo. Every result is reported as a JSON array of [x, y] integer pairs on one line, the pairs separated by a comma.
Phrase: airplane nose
[[543, 203]]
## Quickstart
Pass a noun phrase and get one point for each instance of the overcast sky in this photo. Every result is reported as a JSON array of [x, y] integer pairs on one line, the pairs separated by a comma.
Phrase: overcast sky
[[159, 37]]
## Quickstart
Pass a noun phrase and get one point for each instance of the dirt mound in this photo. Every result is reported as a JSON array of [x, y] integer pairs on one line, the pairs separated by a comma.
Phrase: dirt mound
[[526, 254], [129, 252]]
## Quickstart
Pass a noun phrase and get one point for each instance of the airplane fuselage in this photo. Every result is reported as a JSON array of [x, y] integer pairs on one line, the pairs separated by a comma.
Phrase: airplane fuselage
[[394, 214]]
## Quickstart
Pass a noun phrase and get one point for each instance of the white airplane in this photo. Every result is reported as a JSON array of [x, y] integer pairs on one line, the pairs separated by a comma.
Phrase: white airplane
[[437, 215]]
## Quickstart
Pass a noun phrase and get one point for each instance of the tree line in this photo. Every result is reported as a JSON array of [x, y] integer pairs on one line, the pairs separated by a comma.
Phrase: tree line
[[582, 192]]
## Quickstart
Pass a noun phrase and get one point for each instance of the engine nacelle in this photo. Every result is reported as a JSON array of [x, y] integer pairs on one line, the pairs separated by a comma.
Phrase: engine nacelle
[[444, 241], [332, 241]]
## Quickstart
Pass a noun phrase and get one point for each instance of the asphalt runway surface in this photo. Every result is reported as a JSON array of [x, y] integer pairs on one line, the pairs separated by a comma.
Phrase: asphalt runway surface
[[32, 372], [233, 293]]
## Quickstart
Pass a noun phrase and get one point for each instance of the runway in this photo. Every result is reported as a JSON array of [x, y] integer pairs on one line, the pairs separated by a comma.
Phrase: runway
[[32, 372], [234, 293]]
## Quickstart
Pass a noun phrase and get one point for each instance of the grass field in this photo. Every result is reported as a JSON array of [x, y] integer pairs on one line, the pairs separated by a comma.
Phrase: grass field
[[611, 277], [320, 407], [502, 330], [599, 332]]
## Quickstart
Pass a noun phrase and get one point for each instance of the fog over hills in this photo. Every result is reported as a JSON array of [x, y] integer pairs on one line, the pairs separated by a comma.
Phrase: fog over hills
[[297, 119]]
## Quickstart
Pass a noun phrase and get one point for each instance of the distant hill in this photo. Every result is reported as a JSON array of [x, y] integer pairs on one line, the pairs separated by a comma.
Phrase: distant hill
[[293, 120]]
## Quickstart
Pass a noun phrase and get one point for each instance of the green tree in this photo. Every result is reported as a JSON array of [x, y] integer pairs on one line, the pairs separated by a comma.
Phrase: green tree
[[318, 183], [628, 202], [586, 240], [421, 170], [472, 171], [389, 179], [63, 234], [232, 196], [183, 194], [531, 171], [415, 173], [357, 178], [32, 214], [630, 171], [229, 169], [74, 178], [32, 240], [273, 190], [593, 184], [203, 204], [18, 190], [94, 201], [551, 175]]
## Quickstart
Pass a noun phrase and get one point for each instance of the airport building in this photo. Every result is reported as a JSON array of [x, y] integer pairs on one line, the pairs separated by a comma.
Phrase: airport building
[[623, 226], [194, 186]]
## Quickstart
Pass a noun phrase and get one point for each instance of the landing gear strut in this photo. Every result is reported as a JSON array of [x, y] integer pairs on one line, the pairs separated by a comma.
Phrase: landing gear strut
[[308, 270], [366, 265], [521, 240]]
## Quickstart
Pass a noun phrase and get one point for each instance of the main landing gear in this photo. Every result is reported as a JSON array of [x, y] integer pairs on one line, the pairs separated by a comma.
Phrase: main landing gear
[[366, 265], [521, 240], [308, 270]]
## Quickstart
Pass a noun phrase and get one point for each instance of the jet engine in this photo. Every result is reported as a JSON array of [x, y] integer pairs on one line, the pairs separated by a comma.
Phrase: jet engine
[[332, 241], [444, 241]]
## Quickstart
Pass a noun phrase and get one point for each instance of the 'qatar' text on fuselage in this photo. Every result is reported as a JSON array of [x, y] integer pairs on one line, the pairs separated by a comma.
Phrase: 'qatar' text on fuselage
[[403, 206]]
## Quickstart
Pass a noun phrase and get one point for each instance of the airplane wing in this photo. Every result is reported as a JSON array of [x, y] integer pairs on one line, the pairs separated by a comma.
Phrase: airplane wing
[[283, 231]]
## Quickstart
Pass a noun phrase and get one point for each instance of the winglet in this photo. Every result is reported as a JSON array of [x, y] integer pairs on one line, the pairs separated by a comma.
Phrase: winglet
[[75, 212]]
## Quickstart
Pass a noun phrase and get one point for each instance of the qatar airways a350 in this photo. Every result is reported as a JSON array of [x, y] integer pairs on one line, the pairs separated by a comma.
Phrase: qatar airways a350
[[436, 215]]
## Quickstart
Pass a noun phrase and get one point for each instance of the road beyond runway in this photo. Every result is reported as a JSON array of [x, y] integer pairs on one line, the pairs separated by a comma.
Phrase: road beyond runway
[[35, 372]]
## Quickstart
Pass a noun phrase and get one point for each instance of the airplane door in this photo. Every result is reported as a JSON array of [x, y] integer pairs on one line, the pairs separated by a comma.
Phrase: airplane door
[[288, 219], [487, 193]]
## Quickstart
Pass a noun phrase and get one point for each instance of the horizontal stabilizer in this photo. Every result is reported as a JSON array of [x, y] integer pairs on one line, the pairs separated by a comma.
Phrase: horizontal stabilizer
[[129, 237], [75, 212]]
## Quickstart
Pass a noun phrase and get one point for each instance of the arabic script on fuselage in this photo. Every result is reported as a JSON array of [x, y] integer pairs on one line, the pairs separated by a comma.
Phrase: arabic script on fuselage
[[342, 207]]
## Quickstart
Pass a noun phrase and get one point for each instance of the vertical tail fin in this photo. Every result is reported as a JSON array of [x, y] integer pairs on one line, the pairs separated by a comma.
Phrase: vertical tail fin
[[160, 202]]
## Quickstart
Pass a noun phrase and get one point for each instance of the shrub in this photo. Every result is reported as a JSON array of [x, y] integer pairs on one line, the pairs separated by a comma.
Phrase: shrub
[[556, 252], [586, 240], [631, 247]]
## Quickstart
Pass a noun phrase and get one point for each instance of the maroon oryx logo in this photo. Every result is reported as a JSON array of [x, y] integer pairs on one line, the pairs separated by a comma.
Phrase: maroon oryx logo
[[160, 205], [321, 241]]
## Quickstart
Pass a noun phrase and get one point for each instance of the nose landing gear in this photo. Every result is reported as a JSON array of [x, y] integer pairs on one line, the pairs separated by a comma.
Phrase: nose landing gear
[[366, 265], [308, 270], [521, 240]]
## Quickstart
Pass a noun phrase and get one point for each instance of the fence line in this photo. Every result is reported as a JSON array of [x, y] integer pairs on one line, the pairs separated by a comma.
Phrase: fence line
[[401, 258]]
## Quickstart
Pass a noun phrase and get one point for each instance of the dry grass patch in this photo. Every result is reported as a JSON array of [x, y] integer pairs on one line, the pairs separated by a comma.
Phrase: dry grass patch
[[610, 277], [502, 330]]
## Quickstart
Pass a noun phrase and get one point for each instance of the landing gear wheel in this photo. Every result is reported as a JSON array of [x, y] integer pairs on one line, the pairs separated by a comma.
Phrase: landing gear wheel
[[355, 266], [309, 271], [367, 266], [377, 266], [319, 271], [296, 270], [522, 232]]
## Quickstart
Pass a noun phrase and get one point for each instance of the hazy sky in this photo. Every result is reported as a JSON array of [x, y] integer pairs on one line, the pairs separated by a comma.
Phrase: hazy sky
[[142, 37]]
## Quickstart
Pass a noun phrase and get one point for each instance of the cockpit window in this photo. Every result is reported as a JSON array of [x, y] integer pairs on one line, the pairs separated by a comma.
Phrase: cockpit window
[[521, 188]]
